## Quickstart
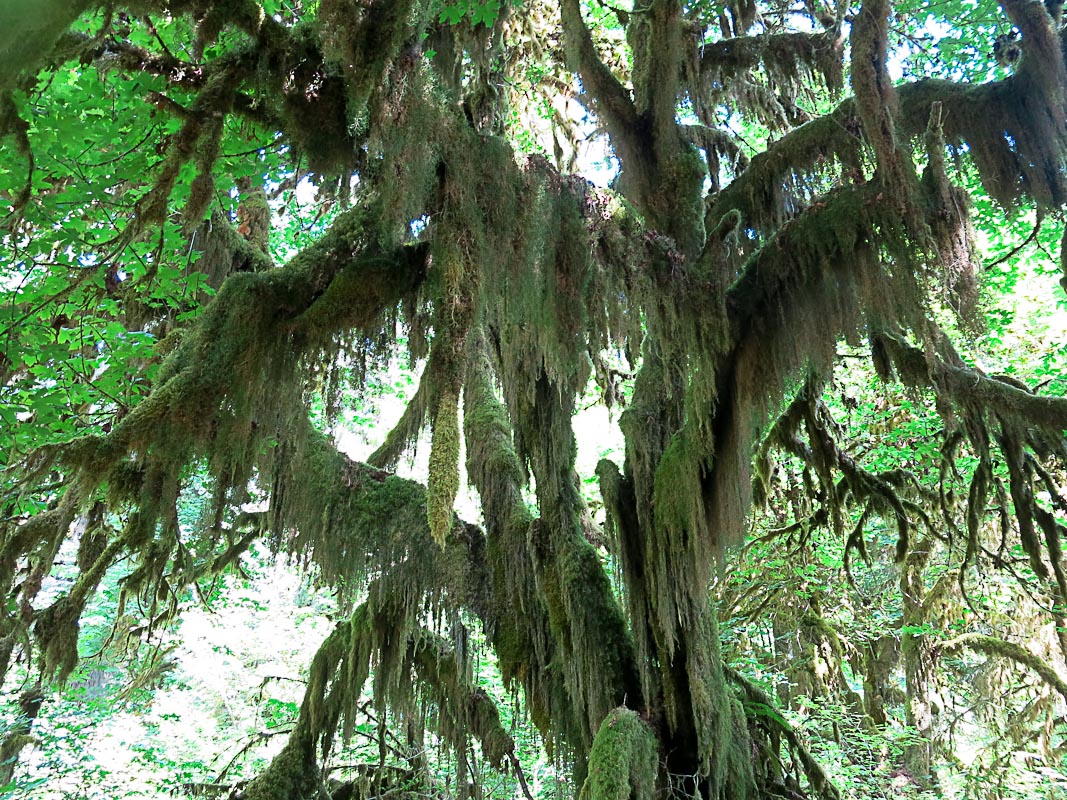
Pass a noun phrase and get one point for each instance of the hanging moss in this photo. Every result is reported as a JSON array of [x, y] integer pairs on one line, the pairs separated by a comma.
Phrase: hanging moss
[[409, 142], [765, 75], [362, 40], [56, 628], [235, 373], [344, 515], [781, 181], [596, 645], [947, 211], [403, 436], [294, 773], [57, 631], [314, 106], [676, 565], [596, 648], [811, 282], [513, 279], [93, 538], [375, 281], [785, 55], [992, 646], [41, 534], [1012, 129], [385, 633], [524, 643], [624, 759], [32, 548], [465, 710], [682, 178]]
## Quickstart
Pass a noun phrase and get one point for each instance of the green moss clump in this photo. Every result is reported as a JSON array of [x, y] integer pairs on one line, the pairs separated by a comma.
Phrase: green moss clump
[[531, 656], [624, 760], [361, 40], [292, 775], [683, 177], [57, 630]]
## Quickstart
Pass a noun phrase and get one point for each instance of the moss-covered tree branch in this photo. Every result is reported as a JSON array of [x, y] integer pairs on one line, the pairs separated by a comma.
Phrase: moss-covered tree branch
[[992, 646], [611, 98], [815, 774]]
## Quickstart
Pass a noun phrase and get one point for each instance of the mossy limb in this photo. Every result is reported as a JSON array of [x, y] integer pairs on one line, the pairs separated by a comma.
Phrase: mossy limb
[[624, 759], [443, 482]]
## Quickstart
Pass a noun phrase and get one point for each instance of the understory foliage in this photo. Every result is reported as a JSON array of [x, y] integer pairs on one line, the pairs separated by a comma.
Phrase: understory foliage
[[778, 201]]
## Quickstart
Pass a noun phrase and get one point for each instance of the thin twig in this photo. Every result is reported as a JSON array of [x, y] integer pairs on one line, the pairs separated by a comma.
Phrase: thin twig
[[1015, 250]]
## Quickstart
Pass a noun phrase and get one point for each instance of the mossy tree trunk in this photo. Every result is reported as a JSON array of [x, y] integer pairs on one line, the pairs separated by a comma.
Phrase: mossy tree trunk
[[916, 652]]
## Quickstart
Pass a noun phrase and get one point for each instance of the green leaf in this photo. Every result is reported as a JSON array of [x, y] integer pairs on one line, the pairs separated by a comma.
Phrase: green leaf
[[453, 14], [486, 13]]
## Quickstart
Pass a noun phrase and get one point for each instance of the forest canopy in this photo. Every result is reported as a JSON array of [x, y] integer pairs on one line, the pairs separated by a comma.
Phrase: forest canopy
[[807, 253]]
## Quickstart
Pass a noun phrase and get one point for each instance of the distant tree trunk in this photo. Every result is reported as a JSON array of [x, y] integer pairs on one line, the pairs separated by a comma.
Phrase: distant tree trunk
[[880, 658], [919, 674]]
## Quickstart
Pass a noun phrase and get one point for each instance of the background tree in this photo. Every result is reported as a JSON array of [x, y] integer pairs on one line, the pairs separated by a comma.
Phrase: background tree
[[725, 279]]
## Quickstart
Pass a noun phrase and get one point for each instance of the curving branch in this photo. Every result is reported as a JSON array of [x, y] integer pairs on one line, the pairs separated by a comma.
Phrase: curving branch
[[992, 646], [1013, 129], [817, 777], [611, 100], [969, 386]]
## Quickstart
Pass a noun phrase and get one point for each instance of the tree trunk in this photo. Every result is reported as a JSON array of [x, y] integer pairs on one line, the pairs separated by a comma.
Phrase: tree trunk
[[919, 676]]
